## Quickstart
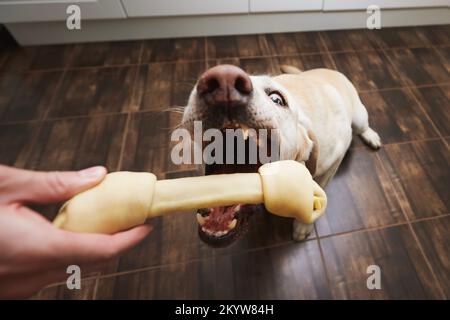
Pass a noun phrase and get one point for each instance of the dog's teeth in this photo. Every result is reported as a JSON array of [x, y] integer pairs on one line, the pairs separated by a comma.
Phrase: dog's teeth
[[200, 219], [237, 208], [244, 129], [232, 224]]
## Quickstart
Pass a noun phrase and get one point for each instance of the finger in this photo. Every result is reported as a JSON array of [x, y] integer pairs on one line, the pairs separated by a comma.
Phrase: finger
[[84, 248], [54, 186]]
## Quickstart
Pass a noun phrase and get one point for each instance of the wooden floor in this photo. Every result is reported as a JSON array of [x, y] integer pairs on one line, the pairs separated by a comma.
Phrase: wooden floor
[[69, 107]]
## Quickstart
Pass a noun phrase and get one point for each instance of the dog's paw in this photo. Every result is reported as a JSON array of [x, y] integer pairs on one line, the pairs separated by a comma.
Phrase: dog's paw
[[371, 138], [301, 231]]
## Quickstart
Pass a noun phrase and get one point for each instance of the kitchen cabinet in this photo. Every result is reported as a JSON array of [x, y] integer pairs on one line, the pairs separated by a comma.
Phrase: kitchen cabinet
[[55, 10], [161, 8], [342, 5], [285, 5]]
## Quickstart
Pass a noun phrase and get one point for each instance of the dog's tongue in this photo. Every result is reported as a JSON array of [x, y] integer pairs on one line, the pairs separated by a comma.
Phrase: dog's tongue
[[220, 218]]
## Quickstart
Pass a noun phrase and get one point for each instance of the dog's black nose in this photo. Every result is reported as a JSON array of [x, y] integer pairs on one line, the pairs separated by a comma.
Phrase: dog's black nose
[[225, 85]]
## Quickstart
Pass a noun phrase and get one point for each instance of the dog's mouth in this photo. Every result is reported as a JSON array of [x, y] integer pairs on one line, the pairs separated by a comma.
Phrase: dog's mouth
[[221, 226]]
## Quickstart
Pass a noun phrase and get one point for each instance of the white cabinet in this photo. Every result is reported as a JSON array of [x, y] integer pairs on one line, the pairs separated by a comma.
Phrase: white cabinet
[[159, 8], [55, 10], [285, 5], [341, 5]]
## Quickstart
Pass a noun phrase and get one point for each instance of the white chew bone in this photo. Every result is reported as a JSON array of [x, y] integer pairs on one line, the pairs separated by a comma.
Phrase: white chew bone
[[126, 199]]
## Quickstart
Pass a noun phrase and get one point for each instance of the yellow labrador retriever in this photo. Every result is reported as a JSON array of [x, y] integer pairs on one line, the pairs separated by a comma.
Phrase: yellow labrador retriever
[[315, 113]]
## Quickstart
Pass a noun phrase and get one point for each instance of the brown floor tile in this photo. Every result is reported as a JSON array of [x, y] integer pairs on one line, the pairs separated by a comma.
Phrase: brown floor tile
[[18, 59], [264, 45], [193, 280], [148, 145], [350, 40], [271, 66], [419, 66], [16, 142], [94, 91], [61, 292], [174, 239], [253, 66], [444, 53], [222, 47], [164, 85], [359, 196], [292, 271], [25, 97], [76, 144], [237, 46], [435, 240], [264, 230], [436, 101], [420, 172], [438, 35], [251, 45], [105, 54], [288, 272], [404, 272], [396, 116], [184, 49], [295, 43], [367, 70], [308, 61], [401, 37]]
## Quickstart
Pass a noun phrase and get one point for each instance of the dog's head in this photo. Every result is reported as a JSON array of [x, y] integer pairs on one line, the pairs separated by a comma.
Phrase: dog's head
[[224, 98]]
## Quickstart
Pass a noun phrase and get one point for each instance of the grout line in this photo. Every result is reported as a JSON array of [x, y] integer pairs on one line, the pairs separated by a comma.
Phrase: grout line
[[406, 86], [281, 244], [229, 254], [363, 146], [411, 141], [128, 120], [162, 109], [327, 51], [73, 68], [98, 277], [422, 251], [370, 229], [141, 52], [94, 294], [409, 224], [415, 98], [322, 257], [124, 140]]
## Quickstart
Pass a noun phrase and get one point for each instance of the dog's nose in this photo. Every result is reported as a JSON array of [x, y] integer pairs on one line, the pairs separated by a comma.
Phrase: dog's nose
[[225, 85]]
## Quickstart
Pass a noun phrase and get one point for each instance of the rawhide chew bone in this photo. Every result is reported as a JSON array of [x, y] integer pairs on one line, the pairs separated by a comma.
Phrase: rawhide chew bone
[[126, 199]]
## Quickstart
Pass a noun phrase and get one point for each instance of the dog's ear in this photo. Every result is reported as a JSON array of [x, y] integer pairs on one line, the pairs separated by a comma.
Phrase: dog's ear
[[307, 148], [311, 163]]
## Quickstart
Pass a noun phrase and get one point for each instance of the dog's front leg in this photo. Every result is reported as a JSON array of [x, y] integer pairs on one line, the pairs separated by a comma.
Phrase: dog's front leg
[[300, 231]]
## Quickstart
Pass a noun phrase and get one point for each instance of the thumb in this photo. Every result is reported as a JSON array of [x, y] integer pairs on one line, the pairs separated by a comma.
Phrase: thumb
[[54, 186]]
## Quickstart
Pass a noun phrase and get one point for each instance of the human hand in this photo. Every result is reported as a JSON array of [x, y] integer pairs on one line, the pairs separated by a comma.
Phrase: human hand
[[34, 253]]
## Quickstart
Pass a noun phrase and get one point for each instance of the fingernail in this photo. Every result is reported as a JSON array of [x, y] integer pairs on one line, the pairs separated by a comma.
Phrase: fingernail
[[93, 172]]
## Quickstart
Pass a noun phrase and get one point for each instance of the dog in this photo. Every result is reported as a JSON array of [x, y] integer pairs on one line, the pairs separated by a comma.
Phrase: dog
[[315, 112]]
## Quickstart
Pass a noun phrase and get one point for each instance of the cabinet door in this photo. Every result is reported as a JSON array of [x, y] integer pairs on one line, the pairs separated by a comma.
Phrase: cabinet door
[[336, 5], [159, 8], [285, 5], [55, 10]]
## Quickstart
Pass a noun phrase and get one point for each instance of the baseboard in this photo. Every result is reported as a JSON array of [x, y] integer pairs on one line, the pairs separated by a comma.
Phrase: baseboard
[[153, 28]]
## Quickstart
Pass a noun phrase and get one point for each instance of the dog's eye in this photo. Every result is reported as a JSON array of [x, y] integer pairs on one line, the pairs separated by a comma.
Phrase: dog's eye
[[277, 98]]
